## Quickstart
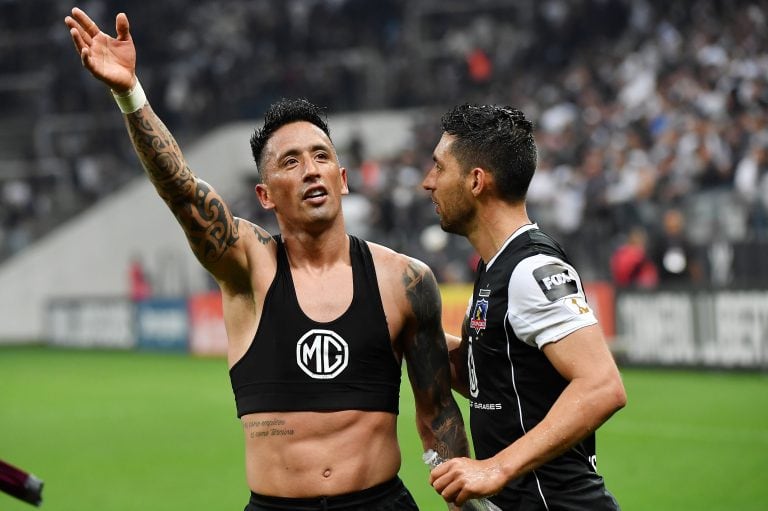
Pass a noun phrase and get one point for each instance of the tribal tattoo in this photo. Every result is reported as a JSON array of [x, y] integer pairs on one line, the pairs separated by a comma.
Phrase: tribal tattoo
[[205, 218], [263, 236]]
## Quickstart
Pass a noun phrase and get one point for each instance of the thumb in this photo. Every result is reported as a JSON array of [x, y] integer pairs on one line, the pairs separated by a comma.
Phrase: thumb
[[121, 26]]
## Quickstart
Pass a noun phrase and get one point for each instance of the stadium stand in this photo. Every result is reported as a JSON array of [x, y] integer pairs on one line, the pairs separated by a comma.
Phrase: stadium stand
[[643, 108]]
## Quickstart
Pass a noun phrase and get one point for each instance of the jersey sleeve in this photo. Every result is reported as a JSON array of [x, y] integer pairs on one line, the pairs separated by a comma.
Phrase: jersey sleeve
[[546, 300]]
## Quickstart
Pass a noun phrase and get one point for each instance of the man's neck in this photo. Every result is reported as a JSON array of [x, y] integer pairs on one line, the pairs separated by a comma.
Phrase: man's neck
[[496, 222], [316, 250]]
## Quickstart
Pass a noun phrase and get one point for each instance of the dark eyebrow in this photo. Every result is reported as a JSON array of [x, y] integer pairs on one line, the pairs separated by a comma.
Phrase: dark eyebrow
[[294, 151]]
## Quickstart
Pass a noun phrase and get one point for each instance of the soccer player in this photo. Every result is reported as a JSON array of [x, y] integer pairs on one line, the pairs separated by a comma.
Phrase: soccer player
[[531, 359], [318, 321]]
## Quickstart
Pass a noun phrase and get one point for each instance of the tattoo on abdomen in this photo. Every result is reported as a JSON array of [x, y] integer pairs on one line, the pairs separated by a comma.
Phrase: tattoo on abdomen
[[206, 220], [267, 428]]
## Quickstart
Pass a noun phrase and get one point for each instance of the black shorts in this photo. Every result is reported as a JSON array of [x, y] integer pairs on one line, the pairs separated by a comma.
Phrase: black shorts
[[389, 496]]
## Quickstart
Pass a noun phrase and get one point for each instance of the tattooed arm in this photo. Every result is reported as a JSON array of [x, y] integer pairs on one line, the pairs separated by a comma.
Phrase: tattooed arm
[[437, 414], [210, 227], [205, 218]]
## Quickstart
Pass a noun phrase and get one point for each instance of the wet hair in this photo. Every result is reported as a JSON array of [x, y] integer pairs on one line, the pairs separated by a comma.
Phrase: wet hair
[[278, 115], [498, 139]]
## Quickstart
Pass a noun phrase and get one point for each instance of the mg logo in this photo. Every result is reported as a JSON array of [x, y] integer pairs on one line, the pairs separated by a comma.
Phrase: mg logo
[[322, 354]]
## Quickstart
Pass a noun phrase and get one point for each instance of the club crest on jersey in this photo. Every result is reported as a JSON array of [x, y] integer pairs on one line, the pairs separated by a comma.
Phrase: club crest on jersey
[[322, 354], [478, 319], [556, 281]]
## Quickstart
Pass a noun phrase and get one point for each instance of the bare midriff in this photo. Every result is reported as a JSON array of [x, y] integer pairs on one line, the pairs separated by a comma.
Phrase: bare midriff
[[315, 454]]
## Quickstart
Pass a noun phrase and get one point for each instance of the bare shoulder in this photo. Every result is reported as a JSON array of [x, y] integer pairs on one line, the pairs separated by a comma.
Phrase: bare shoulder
[[255, 233], [255, 266], [402, 278], [393, 264]]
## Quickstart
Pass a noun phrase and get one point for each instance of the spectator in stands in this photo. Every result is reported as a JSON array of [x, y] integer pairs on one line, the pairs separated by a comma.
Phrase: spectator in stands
[[138, 281], [677, 261], [631, 265], [751, 181]]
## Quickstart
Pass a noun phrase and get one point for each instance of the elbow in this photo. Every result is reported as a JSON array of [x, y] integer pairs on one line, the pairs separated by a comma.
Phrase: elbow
[[617, 395]]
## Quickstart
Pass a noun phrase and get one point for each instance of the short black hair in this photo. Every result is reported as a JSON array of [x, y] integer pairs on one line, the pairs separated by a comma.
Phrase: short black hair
[[498, 139], [278, 115]]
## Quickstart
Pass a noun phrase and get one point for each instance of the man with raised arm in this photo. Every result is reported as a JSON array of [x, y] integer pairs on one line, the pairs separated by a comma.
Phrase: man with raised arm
[[317, 321]]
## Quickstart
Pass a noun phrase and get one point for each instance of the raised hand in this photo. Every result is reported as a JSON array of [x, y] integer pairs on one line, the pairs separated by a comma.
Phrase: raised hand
[[111, 60]]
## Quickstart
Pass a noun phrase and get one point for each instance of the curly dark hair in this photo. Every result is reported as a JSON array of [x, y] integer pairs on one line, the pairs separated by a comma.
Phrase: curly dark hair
[[497, 138], [278, 115]]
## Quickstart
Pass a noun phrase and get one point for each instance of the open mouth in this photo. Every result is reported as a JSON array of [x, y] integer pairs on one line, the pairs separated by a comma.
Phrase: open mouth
[[315, 194]]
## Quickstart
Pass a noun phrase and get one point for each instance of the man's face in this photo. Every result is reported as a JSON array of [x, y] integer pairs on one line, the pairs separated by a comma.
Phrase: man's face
[[450, 189], [303, 182]]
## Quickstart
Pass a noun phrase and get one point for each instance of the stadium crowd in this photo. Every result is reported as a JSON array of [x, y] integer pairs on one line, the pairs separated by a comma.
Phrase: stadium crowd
[[651, 115]]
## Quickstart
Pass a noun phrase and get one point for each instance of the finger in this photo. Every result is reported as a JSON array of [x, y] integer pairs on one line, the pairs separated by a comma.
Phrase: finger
[[463, 496], [73, 24], [451, 491], [122, 27], [85, 58], [90, 28], [77, 39]]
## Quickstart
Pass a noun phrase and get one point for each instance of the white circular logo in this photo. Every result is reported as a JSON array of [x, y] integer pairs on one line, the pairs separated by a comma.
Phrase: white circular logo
[[322, 354]]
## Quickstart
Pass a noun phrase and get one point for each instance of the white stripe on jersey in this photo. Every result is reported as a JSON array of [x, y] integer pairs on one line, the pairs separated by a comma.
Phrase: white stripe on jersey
[[519, 404]]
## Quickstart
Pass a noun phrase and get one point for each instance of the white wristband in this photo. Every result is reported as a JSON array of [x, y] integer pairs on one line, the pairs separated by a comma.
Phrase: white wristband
[[132, 100]]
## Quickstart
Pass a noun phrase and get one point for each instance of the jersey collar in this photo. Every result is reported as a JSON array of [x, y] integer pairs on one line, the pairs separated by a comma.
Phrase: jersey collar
[[518, 232]]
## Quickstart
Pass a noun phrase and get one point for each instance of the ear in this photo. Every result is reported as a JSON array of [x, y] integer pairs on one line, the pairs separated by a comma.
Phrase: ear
[[344, 185], [262, 192], [479, 181]]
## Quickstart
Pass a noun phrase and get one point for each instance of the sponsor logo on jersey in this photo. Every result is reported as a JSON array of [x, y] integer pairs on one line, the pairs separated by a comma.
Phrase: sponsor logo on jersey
[[484, 406], [322, 354], [478, 319], [556, 281]]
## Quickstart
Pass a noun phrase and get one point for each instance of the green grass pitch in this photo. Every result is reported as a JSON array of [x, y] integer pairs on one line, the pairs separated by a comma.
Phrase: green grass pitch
[[135, 431]]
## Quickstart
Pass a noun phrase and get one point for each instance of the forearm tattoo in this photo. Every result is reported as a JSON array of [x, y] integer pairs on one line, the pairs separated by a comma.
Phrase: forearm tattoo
[[430, 372], [205, 218]]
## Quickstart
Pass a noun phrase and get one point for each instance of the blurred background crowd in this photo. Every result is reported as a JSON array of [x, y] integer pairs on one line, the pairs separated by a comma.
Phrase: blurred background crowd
[[650, 116]]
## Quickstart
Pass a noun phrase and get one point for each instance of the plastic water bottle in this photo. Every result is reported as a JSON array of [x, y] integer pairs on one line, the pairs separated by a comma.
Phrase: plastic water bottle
[[433, 459]]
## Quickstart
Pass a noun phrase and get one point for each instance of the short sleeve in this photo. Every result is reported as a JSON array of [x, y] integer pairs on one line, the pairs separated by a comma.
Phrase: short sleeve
[[546, 300]]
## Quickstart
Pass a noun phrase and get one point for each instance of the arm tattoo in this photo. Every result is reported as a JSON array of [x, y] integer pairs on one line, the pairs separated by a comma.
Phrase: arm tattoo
[[428, 362], [205, 218]]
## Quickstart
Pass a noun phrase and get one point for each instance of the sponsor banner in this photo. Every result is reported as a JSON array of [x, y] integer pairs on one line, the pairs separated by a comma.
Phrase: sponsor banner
[[207, 335], [601, 298], [741, 330], [726, 329], [91, 323], [657, 328], [162, 324]]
